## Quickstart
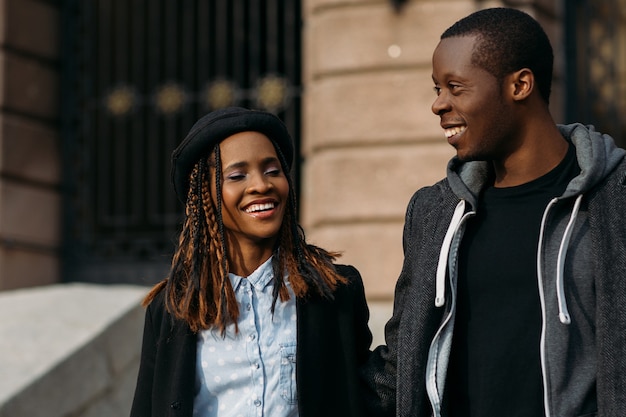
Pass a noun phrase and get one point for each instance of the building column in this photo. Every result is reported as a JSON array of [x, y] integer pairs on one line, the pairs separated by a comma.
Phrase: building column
[[30, 202]]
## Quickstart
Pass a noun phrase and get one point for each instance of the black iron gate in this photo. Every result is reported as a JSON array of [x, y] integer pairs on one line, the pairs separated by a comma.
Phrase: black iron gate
[[137, 74], [596, 65]]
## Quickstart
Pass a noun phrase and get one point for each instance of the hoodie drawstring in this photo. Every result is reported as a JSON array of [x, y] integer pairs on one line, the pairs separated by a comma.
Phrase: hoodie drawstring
[[456, 220], [440, 297], [564, 316], [560, 286]]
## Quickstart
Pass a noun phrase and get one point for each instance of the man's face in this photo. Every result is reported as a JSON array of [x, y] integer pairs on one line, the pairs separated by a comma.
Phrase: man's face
[[476, 116]]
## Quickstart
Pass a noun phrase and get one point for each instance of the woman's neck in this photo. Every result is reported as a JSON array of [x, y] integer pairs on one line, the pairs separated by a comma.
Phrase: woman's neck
[[243, 260]]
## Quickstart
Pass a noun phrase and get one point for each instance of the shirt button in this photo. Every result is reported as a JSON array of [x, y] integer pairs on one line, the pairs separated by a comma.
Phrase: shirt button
[[248, 307], [257, 403], [251, 337], [257, 366]]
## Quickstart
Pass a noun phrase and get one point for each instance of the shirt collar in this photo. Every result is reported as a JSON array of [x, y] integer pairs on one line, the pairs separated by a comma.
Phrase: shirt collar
[[259, 279]]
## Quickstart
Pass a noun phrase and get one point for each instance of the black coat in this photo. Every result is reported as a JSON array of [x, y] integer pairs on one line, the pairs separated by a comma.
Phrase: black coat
[[333, 341]]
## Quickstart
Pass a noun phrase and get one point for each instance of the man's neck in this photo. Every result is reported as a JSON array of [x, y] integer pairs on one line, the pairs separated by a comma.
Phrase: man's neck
[[537, 156]]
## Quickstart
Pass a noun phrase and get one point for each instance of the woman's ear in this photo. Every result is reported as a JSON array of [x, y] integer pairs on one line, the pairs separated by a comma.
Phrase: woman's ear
[[522, 84]]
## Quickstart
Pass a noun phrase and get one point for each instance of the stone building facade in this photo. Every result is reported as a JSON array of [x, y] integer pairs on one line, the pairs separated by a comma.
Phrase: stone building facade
[[369, 137]]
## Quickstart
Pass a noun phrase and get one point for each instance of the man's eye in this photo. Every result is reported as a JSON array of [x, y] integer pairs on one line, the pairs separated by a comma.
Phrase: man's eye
[[437, 90], [273, 171]]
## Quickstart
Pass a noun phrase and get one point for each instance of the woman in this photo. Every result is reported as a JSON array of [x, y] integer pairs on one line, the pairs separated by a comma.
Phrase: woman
[[252, 320]]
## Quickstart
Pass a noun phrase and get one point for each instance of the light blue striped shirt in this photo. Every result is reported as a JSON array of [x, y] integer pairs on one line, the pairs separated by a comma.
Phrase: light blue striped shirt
[[252, 373]]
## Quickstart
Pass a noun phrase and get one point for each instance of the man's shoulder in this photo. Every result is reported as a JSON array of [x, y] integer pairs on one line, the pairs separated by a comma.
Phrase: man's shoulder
[[434, 194], [613, 184], [430, 202]]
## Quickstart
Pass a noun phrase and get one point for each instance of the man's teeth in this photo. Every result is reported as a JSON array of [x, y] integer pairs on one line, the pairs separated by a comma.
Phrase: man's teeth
[[259, 207], [454, 131]]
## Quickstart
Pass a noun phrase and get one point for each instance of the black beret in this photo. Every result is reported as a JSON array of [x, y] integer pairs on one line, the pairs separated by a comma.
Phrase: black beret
[[216, 126]]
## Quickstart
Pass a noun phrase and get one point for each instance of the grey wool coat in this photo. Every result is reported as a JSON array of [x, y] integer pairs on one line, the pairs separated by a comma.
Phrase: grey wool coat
[[594, 283]]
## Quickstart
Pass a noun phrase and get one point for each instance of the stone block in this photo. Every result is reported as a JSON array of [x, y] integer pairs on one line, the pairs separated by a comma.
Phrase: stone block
[[375, 37], [313, 6], [546, 6], [372, 108], [31, 26], [29, 150], [121, 341], [375, 249], [380, 313], [33, 89], [123, 391], [368, 184], [56, 353], [29, 214], [103, 408], [68, 385], [21, 268]]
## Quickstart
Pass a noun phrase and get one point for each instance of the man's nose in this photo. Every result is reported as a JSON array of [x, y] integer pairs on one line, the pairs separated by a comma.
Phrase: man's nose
[[441, 104]]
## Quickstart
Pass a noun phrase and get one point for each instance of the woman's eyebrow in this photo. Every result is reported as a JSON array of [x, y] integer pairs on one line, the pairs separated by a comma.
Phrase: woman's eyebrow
[[238, 164], [242, 164]]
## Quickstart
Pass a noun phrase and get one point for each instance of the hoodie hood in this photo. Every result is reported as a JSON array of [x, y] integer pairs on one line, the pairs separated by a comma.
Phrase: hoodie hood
[[597, 156], [596, 153], [467, 179]]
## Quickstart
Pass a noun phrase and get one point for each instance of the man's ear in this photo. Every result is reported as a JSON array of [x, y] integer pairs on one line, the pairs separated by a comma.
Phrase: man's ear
[[521, 83]]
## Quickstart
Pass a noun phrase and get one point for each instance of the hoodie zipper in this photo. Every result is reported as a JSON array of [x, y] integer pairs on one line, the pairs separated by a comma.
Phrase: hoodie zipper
[[451, 238]]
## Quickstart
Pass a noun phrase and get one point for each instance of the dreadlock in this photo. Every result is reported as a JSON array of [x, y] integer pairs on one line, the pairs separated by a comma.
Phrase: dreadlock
[[198, 289]]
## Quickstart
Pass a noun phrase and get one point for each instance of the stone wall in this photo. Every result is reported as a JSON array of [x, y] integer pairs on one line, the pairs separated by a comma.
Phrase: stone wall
[[30, 203], [369, 138]]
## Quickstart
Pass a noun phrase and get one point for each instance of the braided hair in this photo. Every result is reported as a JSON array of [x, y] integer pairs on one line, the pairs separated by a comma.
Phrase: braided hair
[[198, 289]]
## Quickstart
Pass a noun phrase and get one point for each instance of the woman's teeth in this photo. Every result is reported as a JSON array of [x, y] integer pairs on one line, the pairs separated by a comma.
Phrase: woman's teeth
[[259, 207]]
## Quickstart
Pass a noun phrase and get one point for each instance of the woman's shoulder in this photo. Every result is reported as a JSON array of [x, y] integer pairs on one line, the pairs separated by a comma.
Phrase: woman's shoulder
[[352, 276], [348, 271], [155, 303]]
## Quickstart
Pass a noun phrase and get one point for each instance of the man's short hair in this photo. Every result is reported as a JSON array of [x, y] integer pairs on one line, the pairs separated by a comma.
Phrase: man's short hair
[[508, 40]]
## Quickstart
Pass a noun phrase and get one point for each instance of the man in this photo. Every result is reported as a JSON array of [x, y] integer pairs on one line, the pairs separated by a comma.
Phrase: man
[[512, 297]]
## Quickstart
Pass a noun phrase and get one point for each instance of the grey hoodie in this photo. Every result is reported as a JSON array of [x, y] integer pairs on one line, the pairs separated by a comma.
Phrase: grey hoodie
[[581, 272]]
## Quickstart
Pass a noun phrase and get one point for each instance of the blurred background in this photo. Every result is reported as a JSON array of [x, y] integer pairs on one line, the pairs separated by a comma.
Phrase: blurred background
[[95, 94]]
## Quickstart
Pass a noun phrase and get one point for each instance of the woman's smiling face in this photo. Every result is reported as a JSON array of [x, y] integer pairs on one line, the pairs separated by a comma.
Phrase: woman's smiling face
[[255, 190], [475, 115]]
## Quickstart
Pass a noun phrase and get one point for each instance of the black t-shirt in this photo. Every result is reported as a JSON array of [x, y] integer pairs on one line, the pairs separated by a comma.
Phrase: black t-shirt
[[495, 367]]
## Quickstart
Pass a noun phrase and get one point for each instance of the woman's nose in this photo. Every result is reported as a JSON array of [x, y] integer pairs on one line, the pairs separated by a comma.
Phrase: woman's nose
[[259, 183]]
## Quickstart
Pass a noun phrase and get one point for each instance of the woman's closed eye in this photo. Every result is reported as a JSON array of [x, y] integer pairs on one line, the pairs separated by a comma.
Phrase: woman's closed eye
[[273, 171], [235, 176]]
